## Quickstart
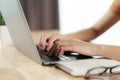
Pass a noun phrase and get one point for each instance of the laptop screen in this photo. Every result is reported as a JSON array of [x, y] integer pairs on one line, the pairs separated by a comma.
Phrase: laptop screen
[[18, 28]]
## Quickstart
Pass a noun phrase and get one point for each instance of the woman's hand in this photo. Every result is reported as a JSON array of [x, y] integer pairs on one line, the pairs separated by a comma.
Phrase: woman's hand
[[48, 39], [73, 45]]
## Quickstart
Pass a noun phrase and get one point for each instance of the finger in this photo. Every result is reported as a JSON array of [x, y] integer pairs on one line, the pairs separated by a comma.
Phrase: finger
[[61, 52], [57, 52], [59, 48], [52, 40], [40, 42], [43, 40], [52, 51]]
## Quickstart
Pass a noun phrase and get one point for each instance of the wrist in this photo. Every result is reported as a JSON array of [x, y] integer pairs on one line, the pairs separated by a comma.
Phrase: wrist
[[96, 50]]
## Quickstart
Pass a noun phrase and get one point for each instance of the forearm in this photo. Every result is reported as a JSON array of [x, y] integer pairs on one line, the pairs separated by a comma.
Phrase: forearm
[[108, 51], [85, 35], [109, 19]]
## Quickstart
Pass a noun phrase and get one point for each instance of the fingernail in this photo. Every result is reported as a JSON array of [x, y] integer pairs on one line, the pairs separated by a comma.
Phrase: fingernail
[[47, 49], [42, 47]]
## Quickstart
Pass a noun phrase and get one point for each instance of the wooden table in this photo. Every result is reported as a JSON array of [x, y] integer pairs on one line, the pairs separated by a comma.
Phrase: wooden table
[[15, 66]]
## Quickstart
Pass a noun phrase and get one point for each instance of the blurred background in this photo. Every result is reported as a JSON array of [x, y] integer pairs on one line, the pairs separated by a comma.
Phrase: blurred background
[[69, 16]]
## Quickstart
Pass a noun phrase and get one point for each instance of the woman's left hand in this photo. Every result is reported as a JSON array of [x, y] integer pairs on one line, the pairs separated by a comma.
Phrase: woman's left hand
[[73, 45]]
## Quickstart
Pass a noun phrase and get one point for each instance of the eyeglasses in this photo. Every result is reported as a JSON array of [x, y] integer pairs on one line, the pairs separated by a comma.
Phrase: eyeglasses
[[102, 71], [104, 77]]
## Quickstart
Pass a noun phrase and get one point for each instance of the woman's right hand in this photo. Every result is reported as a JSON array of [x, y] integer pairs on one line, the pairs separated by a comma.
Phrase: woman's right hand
[[48, 39]]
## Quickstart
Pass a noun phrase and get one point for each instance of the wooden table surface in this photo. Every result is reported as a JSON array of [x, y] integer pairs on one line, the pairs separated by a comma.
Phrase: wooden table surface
[[16, 66]]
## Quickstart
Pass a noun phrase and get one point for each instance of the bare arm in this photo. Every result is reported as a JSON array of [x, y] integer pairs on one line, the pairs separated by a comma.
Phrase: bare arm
[[89, 34], [109, 19], [87, 48], [109, 51], [100, 27]]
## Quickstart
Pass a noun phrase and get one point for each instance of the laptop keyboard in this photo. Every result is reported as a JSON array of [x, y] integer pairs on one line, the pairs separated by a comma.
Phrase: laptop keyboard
[[44, 55], [49, 58], [66, 56]]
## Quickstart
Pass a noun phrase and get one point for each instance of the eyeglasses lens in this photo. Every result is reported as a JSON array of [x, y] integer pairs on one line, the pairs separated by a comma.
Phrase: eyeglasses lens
[[116, 70]]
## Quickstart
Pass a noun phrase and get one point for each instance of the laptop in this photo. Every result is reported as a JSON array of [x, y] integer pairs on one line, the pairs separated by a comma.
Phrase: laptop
[[20, 33]]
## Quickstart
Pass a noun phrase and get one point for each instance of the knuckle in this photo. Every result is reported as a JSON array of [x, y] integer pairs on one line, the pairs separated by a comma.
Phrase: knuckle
[[40, 44], [57, 42]]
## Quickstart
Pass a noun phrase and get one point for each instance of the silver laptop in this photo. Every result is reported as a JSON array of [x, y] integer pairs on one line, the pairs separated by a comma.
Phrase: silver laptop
[[21, 35]]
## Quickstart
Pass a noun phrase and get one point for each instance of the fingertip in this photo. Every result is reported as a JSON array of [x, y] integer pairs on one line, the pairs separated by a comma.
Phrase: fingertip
[[48, 49], [56, 54], [41, 47], [60, 54]]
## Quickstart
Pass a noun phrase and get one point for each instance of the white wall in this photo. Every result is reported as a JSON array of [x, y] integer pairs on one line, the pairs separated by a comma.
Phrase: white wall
[[79, 14]]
